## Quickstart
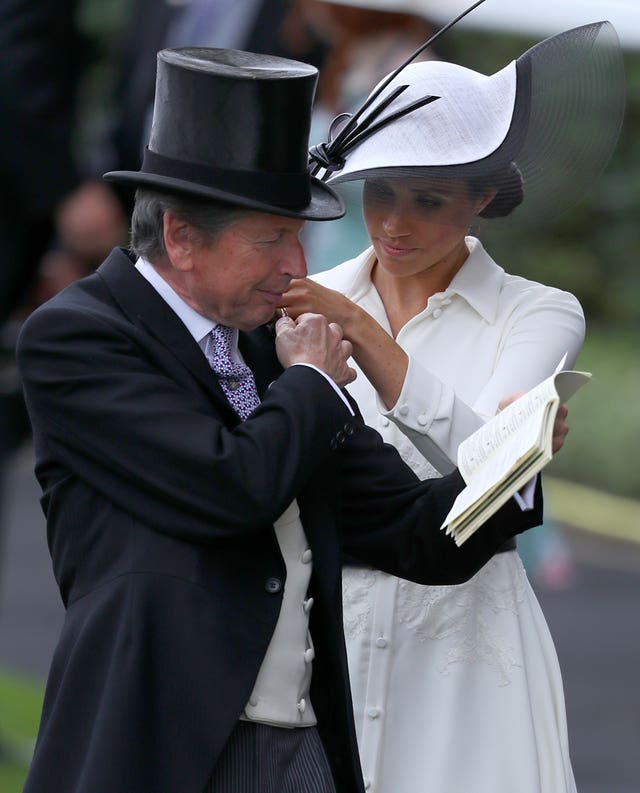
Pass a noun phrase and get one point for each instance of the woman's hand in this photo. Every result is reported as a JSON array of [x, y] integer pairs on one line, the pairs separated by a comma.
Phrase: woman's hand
[[383, 362], [307, 297]]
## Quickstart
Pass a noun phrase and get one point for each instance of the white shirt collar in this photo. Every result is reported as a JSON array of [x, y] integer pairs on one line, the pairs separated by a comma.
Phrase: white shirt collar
[[478, 281], [198, 325]]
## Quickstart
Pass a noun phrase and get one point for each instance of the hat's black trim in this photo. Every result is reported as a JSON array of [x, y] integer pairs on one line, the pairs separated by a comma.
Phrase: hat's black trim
[[288, 190]]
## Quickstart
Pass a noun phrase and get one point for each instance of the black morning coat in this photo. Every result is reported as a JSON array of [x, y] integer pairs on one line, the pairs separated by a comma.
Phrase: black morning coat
[[160, 507]]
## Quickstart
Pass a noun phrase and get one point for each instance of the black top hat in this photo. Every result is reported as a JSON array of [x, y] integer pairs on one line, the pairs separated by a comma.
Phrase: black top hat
[[234, 126]]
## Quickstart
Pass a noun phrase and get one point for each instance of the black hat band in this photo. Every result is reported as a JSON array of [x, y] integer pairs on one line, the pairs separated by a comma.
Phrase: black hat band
[[290, 190]]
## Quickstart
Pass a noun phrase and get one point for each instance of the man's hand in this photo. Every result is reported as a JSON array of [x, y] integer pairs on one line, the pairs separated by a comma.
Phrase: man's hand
[[312, 339], [560, 426]]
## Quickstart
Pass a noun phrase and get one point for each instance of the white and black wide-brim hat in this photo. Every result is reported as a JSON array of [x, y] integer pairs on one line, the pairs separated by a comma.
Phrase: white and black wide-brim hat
[[551, 119], [233, 126]]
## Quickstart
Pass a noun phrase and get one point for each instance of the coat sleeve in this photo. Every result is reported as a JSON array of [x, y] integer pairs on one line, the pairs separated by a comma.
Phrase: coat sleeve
[[392, 521], [111, 410]]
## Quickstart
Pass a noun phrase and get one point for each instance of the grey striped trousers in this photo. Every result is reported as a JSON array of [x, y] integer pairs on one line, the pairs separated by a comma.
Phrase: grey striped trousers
[[258, 758]]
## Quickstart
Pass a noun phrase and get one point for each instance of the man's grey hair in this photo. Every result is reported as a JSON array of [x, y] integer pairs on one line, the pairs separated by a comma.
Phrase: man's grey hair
[[208, 217]]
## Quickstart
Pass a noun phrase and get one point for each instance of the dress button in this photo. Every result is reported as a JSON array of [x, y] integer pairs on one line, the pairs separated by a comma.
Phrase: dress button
[[373, 713], [384, 421], [309, 655], [306, 557], [302, 706], [437, 312], [307, 605], [273, 585], [404, 410], [381, 642], [422, 419]]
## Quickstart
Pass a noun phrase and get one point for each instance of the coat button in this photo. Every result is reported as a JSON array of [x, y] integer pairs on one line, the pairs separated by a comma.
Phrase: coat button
[[333, 444], [340, 436], [348, 428], [273, 585], [306, 557]]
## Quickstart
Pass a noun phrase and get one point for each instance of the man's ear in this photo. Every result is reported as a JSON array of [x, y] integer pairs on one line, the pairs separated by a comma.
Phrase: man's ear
[[178, 241]]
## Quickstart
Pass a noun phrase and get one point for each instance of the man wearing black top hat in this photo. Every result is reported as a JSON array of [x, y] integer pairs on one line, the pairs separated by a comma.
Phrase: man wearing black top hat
[[196, 524]]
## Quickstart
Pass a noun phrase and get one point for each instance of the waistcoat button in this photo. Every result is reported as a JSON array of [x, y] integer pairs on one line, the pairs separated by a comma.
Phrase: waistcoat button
[[273, 585]]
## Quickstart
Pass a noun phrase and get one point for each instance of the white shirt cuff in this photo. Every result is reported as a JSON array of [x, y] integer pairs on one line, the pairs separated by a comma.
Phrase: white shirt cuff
[[525, 496]]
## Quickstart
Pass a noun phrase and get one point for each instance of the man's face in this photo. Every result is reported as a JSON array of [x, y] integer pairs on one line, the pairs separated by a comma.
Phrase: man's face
[[239, 278]]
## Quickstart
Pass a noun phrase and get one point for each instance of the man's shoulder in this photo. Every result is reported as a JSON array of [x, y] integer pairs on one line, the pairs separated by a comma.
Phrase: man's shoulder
[[84, 301]]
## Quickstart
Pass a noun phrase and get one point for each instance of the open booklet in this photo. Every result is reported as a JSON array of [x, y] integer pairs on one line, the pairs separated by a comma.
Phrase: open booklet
[[507, 451]]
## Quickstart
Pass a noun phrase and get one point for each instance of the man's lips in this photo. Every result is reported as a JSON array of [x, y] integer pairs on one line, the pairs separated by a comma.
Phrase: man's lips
[[274, 297]]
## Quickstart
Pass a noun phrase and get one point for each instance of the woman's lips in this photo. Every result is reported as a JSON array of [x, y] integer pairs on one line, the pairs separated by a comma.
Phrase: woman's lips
[[393, 249]]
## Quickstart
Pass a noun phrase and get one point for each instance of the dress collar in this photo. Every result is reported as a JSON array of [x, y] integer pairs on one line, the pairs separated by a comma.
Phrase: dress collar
[[478, 281]]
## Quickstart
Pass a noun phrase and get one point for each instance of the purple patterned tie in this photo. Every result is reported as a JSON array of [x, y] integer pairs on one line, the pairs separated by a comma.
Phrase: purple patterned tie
[[235, 378]]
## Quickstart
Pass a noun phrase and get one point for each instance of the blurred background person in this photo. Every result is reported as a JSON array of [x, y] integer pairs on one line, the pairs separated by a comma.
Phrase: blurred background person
[[456, 688], [44, 56], [364, 41]]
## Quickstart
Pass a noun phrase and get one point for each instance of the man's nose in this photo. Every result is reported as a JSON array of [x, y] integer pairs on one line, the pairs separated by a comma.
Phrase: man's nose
[[296, 262]]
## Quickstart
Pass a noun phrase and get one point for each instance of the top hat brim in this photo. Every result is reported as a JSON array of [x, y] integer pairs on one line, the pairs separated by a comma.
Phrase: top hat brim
[[325, 203]]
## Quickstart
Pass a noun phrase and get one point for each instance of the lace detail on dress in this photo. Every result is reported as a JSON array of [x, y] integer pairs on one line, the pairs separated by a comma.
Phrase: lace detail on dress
[[420, 466], [357, 583], [484, 646], [455, 613]]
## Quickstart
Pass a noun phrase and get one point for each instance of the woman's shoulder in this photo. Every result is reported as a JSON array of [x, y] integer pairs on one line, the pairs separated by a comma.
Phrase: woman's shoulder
[[518, 289]]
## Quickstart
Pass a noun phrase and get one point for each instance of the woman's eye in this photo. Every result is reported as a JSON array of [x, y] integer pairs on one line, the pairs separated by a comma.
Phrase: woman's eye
[[428, 202]]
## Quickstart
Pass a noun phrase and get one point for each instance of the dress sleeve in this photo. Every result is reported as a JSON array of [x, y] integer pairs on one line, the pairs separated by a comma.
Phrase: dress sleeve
[[535, 337]]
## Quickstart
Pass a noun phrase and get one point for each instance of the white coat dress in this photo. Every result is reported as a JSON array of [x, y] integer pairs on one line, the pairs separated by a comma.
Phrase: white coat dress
[[458, 688]]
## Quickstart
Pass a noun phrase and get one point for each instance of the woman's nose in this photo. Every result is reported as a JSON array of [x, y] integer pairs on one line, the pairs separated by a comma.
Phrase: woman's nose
[[395, 224]]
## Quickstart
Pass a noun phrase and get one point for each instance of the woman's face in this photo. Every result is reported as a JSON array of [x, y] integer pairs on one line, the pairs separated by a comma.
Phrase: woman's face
[[418, 224]]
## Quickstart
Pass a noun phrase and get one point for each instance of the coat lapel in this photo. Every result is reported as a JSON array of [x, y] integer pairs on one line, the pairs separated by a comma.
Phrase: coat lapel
[[259, 352], [144, 307]]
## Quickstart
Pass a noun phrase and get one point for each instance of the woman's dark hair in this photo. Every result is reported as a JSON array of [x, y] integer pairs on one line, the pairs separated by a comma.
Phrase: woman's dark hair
[[510, 193]]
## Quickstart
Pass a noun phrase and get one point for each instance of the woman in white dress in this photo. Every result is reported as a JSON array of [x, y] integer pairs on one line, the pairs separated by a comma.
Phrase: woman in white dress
[[455, 688]]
